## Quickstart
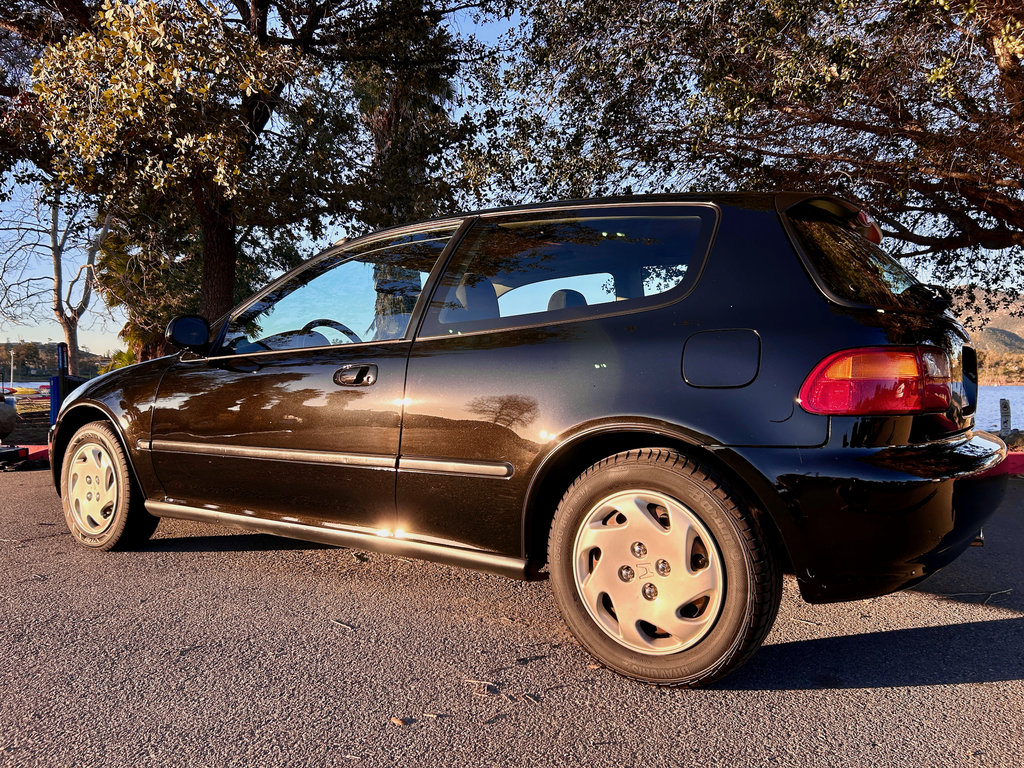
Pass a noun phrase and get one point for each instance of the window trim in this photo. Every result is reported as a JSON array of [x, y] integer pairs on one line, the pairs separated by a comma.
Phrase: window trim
[[700, 262]]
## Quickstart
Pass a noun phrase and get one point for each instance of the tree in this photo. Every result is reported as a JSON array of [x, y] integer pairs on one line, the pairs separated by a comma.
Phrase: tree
[[236, 119], [505, 410], [57, 232], [119, 359], [22, 28], [164, 100], [403, 108], [26, 357], [151, 274], [915, 106]]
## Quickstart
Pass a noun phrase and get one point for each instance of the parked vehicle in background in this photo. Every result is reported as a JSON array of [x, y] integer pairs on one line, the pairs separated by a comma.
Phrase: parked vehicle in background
[[8, 415], [661, 402]]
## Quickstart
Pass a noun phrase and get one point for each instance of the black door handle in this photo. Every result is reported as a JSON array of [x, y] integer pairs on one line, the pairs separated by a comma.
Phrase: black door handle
[[356, 375]]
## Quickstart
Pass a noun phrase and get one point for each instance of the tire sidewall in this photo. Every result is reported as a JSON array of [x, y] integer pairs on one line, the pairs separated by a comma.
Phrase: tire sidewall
[[693, 491], [100, 435]]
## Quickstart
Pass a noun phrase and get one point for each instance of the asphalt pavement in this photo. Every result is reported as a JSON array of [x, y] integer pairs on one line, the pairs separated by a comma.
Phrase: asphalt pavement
[[217, 648]]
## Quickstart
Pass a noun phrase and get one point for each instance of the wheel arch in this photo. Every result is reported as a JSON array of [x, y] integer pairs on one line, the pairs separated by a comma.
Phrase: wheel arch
[[571, 459], [70, 422]]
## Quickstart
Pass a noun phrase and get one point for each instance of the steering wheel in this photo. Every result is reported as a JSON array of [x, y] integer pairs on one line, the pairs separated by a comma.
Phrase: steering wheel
[[326, 322]]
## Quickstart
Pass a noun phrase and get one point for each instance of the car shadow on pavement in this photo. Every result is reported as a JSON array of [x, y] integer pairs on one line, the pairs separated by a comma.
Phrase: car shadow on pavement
[[234, 542], [974, 652]]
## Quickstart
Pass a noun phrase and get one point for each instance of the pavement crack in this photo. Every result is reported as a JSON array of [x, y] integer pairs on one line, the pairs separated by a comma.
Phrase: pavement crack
[[987, 595]]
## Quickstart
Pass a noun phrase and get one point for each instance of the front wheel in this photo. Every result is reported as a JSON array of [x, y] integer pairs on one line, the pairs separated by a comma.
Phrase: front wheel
[[659, 571], [103, 506]]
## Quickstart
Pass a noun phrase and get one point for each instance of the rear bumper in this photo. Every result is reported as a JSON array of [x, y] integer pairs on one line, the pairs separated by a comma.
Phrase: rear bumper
[[865, 522]]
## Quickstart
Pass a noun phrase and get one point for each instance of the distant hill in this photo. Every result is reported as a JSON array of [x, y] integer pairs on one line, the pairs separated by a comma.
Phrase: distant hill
[[994, 339], [1007, 322], [1003, 331]]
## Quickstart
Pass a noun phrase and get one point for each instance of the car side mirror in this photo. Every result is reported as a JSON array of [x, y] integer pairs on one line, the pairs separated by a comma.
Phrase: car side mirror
[[190, 332]]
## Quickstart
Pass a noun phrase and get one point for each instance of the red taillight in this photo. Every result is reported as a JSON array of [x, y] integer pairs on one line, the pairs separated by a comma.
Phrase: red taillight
[[879, 380]]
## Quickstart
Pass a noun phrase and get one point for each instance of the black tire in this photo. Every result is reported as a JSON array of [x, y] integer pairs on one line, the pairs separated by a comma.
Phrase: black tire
[[648, 539], [103, 506]]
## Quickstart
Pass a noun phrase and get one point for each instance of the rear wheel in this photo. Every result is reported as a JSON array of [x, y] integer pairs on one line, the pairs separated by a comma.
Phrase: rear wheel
[[102, 504], [659, 571]]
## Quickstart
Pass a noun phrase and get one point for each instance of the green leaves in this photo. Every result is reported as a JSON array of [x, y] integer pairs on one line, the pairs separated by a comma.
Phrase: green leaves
[[152, 98]]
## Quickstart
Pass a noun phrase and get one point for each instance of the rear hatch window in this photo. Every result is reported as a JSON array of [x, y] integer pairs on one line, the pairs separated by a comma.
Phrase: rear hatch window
[[851, 267]]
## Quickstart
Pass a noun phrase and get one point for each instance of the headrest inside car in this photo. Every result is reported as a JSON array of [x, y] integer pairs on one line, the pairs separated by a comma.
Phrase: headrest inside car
[[564, 299]]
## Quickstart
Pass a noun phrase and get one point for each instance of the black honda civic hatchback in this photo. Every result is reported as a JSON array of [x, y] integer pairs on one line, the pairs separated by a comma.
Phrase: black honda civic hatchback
[[660, 403]]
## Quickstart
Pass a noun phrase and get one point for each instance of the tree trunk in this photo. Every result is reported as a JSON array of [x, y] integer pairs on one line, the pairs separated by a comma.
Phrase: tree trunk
[[217, 292], [152, 350], [71, 337]]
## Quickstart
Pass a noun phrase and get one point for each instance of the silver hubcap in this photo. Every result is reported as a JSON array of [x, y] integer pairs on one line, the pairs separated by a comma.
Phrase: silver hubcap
[[648, 572], [92, 489]]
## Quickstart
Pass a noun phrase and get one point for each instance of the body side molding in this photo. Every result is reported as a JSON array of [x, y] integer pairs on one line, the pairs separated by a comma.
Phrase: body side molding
[[275, 454], [500, 469], [417, 464]]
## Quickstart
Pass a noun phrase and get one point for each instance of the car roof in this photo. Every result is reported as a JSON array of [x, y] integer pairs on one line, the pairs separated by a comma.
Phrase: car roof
[[761, 201]]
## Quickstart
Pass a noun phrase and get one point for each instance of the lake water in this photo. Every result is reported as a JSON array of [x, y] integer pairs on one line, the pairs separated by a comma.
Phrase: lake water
[[987, 416]]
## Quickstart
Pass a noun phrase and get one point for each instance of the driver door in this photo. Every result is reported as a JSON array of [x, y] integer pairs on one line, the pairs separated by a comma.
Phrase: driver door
[[296, 414]]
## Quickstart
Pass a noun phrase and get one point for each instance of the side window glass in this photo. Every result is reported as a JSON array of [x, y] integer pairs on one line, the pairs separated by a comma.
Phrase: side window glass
[[345, 298], [539, 268]]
